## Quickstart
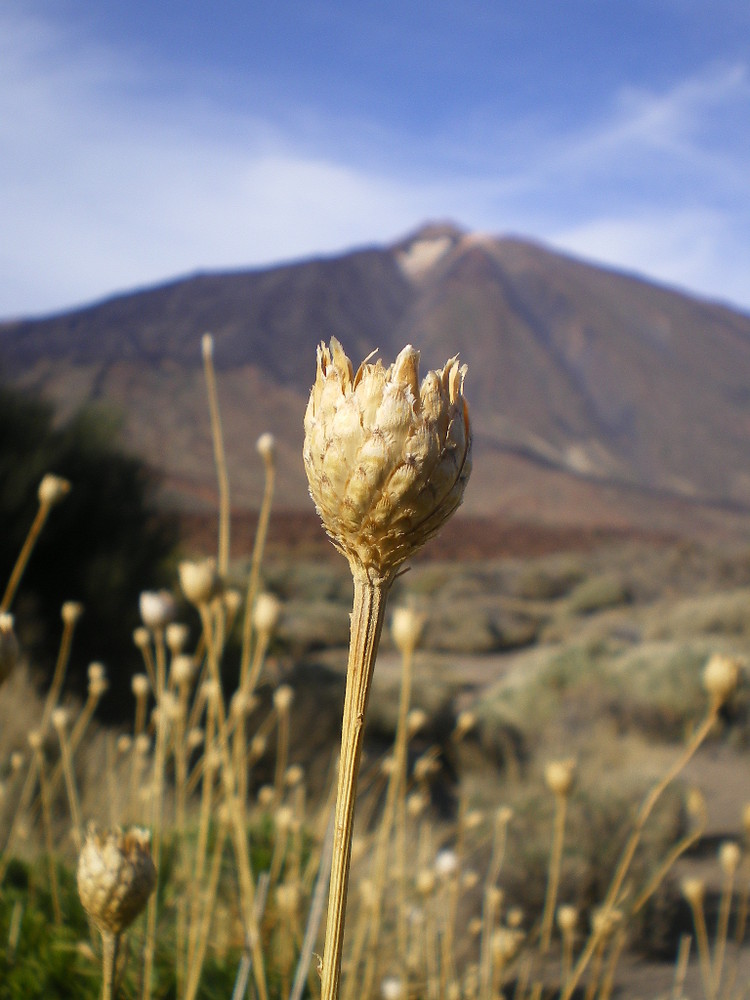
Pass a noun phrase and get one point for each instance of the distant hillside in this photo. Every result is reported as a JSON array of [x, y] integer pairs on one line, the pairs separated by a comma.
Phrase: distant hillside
[[596, 397]]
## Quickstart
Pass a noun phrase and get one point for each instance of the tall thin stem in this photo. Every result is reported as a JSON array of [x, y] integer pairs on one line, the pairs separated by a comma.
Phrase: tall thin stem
[[370, 596]]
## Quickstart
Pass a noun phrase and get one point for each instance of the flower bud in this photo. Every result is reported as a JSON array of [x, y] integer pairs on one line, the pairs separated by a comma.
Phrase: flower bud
[[721, 676], [199, 580], [266, 447], [407, 626], [52, 489], [8, 646], [157, 608], [140, 685], [730, 856], [266, 613], [176, 635], [559, 775], [115, 876], [387, 461], [70, 612]]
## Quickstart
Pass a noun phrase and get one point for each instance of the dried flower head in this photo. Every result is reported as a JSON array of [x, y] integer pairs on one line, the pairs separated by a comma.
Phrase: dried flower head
[[116, 875], [721, 676], [693, 889], [182, 669], [407, 626], [266, 613], [140, 685], [567, 918], [559, 776], [157, 608], [266, 446], [199, 580], [387, 460], [52, 489], [176, 635], [283, 697], [730, 856], [70, 612], [8, 646]]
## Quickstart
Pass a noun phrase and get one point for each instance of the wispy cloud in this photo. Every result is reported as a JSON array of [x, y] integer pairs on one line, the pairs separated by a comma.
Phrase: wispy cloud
[[110, 178]]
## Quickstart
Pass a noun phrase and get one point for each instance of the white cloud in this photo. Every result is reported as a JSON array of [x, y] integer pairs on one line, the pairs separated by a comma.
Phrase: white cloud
[[689, 250], [106, 186]]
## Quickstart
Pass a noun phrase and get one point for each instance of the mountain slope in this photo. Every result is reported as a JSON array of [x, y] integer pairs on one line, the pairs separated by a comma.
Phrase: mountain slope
[[583, 382]]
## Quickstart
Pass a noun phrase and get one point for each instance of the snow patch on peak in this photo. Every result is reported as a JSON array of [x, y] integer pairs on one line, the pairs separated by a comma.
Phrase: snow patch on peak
[[420, 256]]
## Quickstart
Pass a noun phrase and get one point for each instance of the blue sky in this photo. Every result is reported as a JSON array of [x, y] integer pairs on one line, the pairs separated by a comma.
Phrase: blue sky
[[143, 140]]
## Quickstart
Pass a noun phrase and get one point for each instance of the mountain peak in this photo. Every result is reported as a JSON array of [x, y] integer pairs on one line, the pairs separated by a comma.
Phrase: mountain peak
[[421, 250]]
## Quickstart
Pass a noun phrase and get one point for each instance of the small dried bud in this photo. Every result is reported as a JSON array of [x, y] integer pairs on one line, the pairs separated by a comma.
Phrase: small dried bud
[[97, 680], [199, 580], [176, 635], [505, 943], [407, 626], [730, 856], [70, 612], [60, 719], [232, 599], [473, 819], [207, 346], [124, 743], [283, 697], [515, 916], [425, 882], [194, 738], [387, 461], [559, 775], [567, 918], [266, 613], [693, 889], [283, 818], [35, 739], [52, 489], [465, 722], [415, 720], [16, 760], [157, 609], [469, 880], [182, 669], [258, 746], [294, 776], [266, 446], [605, 921], [695, 804], [140, 685], [392, 988], [446, 863], [141, 637], [721, 676], [266, 795], [8, 647], [416, 804], [116, 875], [142, 744]]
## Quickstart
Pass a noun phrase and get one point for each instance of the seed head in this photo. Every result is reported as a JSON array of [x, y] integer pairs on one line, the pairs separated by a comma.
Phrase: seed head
[[266, 446], [407, 626], [116, 875], [52, 489], [182, 669], [8, 647], [693, 889], [387, 460], [70, 612], [730, 856], [283, 697], [157, 608], [559, 776], [266, 613], [176, 635], [140, 685], [721, 676], [199, 580], [567, 918]]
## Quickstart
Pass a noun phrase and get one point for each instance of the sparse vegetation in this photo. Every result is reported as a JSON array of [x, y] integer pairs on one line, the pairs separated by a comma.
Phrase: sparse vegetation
[[478, 868]]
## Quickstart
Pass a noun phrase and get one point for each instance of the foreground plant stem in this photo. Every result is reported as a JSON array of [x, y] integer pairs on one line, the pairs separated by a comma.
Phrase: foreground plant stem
[[370, 596]]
